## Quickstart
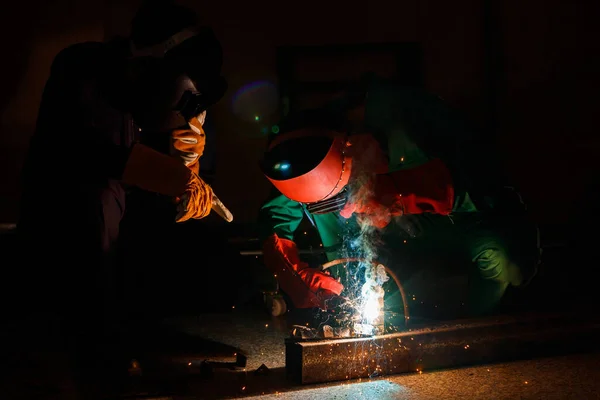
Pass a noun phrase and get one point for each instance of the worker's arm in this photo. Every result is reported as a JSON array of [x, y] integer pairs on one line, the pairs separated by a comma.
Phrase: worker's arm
[[415, 125], [81, 131], [279, 215], [424, 189], [418, 130], [279, 218]]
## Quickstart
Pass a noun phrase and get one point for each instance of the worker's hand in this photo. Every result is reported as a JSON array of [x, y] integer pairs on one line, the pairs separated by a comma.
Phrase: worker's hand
[[188, 144], [307, 287], [197, 200], [424, 189], [375, 202]]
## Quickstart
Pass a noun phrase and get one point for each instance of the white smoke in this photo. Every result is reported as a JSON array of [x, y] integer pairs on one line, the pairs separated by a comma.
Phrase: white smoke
[[365, 242]]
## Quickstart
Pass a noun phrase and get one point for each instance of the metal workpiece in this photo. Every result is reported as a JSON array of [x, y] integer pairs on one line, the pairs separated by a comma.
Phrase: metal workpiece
[[454, 344]]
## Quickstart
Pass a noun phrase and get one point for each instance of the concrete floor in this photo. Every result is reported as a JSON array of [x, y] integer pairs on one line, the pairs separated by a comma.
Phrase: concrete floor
[[560, 378], [42, 371], [44, 375], [258, 335], [261, 337]]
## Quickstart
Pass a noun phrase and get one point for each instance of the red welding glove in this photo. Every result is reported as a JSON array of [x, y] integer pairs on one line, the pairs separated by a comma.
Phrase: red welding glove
[[424, 189], [307, 287]]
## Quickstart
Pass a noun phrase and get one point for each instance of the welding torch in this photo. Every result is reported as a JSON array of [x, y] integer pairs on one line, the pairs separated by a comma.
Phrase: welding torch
[[219, 208], [217, 205]]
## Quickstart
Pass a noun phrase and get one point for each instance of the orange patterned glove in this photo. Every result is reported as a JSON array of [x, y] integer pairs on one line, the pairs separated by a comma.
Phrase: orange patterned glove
[[188, 144], [159, 173], [197, 200]]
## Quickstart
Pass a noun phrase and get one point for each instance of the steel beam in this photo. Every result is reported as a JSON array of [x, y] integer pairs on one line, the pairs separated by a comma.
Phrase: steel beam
[[446, 345]]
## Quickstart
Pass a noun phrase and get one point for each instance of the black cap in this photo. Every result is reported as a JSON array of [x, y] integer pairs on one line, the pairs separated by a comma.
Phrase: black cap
[[199, 57], [157, 20]]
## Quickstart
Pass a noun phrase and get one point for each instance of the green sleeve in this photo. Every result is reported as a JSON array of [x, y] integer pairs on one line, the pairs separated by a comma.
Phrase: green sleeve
[[415, 125], [279, 215]]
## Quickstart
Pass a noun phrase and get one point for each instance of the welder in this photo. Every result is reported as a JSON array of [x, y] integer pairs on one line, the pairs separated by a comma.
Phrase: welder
[[392, 158], [102, 110]]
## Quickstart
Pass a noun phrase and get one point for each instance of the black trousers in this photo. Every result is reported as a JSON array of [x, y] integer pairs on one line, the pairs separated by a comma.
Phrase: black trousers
[[64, 278], [67, 240]]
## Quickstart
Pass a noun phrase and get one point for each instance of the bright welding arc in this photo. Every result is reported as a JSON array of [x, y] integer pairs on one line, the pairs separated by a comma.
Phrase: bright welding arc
[[387, 270]]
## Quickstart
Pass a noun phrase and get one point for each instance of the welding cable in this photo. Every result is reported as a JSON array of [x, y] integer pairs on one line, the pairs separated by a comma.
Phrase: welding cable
[[387, 270]]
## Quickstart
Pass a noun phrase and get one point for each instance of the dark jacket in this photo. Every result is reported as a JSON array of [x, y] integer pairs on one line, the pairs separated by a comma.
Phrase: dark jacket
[[82, 136]]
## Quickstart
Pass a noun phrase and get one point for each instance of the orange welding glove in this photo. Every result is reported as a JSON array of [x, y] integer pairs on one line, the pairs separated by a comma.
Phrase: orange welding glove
[[307, 287], [156, 172], [424, 189], [188, 144]]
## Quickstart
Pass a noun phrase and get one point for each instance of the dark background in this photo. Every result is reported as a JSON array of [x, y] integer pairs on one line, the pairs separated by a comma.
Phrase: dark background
[[525, 72], [527, 69]]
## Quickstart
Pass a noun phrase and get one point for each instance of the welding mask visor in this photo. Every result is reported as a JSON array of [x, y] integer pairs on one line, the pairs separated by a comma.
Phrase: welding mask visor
[[310, 166]]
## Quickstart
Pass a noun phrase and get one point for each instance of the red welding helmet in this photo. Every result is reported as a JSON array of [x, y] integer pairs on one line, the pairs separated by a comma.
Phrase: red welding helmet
[[308, 165]]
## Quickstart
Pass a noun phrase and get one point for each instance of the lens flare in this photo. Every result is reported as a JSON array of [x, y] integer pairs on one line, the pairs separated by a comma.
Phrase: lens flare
[[255, 101]]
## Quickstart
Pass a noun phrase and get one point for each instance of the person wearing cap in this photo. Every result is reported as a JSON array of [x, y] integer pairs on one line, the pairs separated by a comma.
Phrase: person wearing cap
[[101, 104], [387, 158], [103, 107]]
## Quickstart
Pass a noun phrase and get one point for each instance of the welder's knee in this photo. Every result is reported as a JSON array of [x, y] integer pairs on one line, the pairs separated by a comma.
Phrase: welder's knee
[[493, 264]]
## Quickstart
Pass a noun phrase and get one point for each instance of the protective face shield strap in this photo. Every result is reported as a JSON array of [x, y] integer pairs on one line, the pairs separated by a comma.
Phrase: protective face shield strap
[[159, 50], [333, 204]]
